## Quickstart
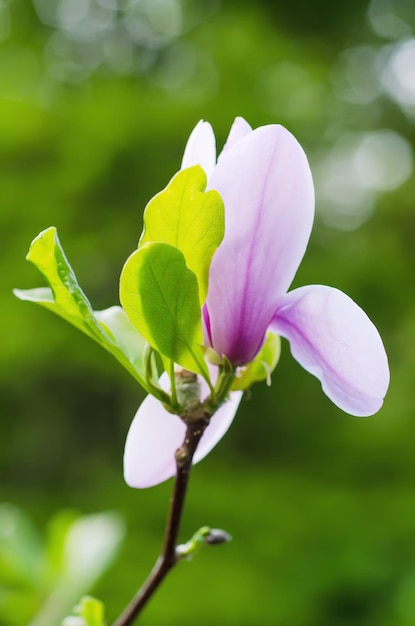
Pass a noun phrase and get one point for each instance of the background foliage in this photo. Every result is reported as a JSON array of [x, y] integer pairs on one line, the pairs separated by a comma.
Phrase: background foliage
[[96, 101]]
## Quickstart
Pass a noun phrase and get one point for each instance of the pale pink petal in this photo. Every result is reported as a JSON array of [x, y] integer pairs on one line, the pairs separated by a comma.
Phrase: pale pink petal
[[155, 435], [239, 129], [201, 148], [266, 184], [333, 339]]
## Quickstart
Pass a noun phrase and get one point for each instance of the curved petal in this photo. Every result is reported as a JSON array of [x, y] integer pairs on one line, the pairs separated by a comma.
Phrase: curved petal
[[239, 129], [155, 435], [333, 339], [266, 184], [200, 148]]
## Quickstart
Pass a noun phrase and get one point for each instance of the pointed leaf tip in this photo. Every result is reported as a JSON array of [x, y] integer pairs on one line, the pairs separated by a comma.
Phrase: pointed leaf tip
[[110, 328]]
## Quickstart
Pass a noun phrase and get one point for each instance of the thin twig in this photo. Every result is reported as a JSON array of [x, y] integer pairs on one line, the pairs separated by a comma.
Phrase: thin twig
[[169, 558]]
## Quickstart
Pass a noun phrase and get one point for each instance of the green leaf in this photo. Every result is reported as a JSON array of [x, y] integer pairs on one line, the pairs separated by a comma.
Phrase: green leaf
[[89, 612], [88, 547], [132, 345], [21, 549], [160, 296], [110, 328], [188, 218], [92, 611], [57, 532], [203, 536], [262, 366]]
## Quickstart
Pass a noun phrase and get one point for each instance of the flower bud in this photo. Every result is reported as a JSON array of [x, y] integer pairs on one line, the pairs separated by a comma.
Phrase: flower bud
[[215, 536]]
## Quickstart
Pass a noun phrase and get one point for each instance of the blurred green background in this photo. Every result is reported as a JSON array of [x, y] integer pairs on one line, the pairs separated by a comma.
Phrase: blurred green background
[[97, 98]]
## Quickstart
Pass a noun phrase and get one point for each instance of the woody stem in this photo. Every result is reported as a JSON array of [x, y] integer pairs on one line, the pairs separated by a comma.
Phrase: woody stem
[[168, 558]]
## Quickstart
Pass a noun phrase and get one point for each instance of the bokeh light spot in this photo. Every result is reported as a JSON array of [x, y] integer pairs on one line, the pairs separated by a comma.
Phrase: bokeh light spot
[[399, 74], [384, 18], [383, 160], [355, 77]]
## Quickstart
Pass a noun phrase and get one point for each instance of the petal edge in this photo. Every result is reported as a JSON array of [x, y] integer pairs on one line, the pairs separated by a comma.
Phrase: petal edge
[[200, 148], [334, 339], [266, 185], [155, 434]]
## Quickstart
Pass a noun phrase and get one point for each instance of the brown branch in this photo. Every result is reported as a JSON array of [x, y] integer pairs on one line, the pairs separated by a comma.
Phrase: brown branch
[[168, 559]]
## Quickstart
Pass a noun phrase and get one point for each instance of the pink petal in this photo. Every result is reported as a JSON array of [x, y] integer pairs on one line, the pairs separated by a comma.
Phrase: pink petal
[[333, 339], [239, 129], [155, 435], [200, 148], [266, 184]]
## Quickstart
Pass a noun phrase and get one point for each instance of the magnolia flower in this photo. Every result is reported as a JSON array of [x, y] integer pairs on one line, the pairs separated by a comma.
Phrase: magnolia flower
[[265, 182]]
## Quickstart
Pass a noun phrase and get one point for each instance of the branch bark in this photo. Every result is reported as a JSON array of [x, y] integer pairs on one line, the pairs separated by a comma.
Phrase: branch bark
[[168, 558]]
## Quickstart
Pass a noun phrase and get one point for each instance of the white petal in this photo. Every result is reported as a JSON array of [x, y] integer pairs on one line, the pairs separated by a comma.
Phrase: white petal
[[155, 435], [266, 185], [333, 339], [201, 148], [239, 129]]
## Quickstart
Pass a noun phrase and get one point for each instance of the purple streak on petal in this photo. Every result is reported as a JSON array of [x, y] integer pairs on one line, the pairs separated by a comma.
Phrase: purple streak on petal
[[206, 326], [200, 148], [265, 182], [333, 339], [239, 129], [155, 435]]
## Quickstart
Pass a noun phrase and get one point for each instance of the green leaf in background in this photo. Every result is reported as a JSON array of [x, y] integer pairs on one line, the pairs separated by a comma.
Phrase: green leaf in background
[[79, 551], [160, 296], [262, 366], [188, 218], [92, 611], [21, 549], [110, 328], [48, 578], [89, 612]]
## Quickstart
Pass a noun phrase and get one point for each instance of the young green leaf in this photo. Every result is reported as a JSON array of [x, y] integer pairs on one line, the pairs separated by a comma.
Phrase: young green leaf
[[89, 612], [187, 217], [160, 296], [110, 328]]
